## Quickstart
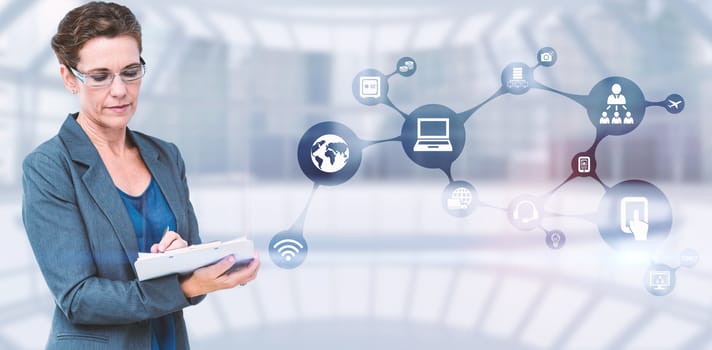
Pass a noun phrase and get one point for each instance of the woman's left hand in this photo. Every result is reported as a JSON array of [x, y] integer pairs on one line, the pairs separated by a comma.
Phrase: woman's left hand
[[171, 240]]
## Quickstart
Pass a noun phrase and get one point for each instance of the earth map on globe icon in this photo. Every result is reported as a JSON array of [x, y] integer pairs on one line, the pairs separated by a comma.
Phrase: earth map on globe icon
[[330, 153]]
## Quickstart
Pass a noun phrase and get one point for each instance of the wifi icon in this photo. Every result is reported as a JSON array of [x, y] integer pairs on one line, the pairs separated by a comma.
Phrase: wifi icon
[[288, 249]]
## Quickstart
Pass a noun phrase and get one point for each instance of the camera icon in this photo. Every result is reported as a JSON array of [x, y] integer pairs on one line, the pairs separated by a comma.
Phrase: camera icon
[[546, 57]]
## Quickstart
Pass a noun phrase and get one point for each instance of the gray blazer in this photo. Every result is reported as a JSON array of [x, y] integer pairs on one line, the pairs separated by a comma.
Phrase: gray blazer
[[85, 244]]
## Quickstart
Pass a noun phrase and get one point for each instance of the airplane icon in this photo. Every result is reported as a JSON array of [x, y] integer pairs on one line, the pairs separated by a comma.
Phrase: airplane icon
[[674, 104]]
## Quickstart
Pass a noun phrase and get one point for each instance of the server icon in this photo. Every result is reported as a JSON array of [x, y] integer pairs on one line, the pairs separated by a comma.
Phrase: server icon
[[517, 81]]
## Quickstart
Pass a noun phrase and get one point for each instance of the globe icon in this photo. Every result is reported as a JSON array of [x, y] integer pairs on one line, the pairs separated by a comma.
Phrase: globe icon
[[461, 198], [330, 153]]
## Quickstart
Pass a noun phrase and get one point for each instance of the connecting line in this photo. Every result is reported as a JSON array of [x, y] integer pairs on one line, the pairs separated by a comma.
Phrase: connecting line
[[541, 227], [388, 103], [448, 174], [595, 176], [656, 104], [580, 99], [599, 138], [590, 217], [299, 223], [571, 177], [592, 150], [482, 204], [371, 143], [550, 214], [468, 113]]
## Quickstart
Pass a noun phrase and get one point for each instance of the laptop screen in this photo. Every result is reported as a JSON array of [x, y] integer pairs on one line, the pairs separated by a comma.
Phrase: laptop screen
[[433, 127]]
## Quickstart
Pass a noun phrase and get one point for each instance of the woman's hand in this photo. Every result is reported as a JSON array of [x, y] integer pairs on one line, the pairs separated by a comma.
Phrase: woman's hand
[[213, 277], [171, 240]]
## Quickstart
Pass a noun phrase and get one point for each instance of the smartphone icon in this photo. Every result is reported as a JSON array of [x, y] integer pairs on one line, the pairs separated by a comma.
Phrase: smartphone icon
[[584, 164]]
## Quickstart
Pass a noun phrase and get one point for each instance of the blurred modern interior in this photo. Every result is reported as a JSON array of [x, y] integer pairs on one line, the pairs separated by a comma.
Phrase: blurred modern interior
[[235, 84]]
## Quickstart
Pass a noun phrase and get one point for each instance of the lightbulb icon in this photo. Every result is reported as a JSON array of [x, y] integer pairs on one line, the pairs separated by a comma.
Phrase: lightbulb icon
[[555, 239]]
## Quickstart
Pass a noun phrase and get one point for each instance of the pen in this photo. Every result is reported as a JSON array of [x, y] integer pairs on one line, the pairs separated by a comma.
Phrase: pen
[[168, 228]]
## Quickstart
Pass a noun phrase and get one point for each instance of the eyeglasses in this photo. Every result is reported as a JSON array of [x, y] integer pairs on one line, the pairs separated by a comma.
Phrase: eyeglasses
[[105, 78]]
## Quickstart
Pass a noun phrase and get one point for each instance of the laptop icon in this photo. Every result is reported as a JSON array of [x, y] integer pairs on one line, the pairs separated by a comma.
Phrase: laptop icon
[[433, 135]]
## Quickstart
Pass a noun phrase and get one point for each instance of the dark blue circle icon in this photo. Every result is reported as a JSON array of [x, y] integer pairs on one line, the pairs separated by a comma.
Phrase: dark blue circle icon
[[406, 66], [659, 279], [288, 249], [459, 198], [517, 78], [674, 103], [329, 153], [525, 212], [616, 106], [370, 87], [584, 164], [555, 239], [433, 136], [546, 56], [634, 215]]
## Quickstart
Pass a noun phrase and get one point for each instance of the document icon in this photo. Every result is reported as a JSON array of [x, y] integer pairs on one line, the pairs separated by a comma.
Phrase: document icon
[[370, 87]]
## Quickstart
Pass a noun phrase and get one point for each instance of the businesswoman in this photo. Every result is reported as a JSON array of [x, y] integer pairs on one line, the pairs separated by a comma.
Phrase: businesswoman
[[98, 193]]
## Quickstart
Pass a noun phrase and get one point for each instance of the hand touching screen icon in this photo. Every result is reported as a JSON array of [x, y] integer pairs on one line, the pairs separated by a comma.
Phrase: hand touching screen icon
[[632, 208]]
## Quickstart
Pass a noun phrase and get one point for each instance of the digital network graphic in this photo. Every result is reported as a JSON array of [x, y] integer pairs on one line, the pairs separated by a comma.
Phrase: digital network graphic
[[633, 215]]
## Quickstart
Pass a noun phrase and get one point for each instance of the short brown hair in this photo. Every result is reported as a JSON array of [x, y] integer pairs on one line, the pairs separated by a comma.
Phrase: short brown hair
[[91, 20]]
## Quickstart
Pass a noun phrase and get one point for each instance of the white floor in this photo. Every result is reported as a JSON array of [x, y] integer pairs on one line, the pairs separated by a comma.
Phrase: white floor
[[387, 265]]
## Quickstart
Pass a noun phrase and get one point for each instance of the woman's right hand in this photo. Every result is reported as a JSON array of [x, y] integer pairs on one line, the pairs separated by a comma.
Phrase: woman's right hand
[[213, 277]]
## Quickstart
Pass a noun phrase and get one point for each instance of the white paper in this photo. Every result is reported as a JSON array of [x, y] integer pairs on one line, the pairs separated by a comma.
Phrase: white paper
[[185, 260]]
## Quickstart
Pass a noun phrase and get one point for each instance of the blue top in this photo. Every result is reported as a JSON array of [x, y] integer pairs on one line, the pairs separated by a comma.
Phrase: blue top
[[151, 217]]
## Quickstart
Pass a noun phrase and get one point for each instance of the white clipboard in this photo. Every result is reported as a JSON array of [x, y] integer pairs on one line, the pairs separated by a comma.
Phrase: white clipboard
[[185, 260]]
